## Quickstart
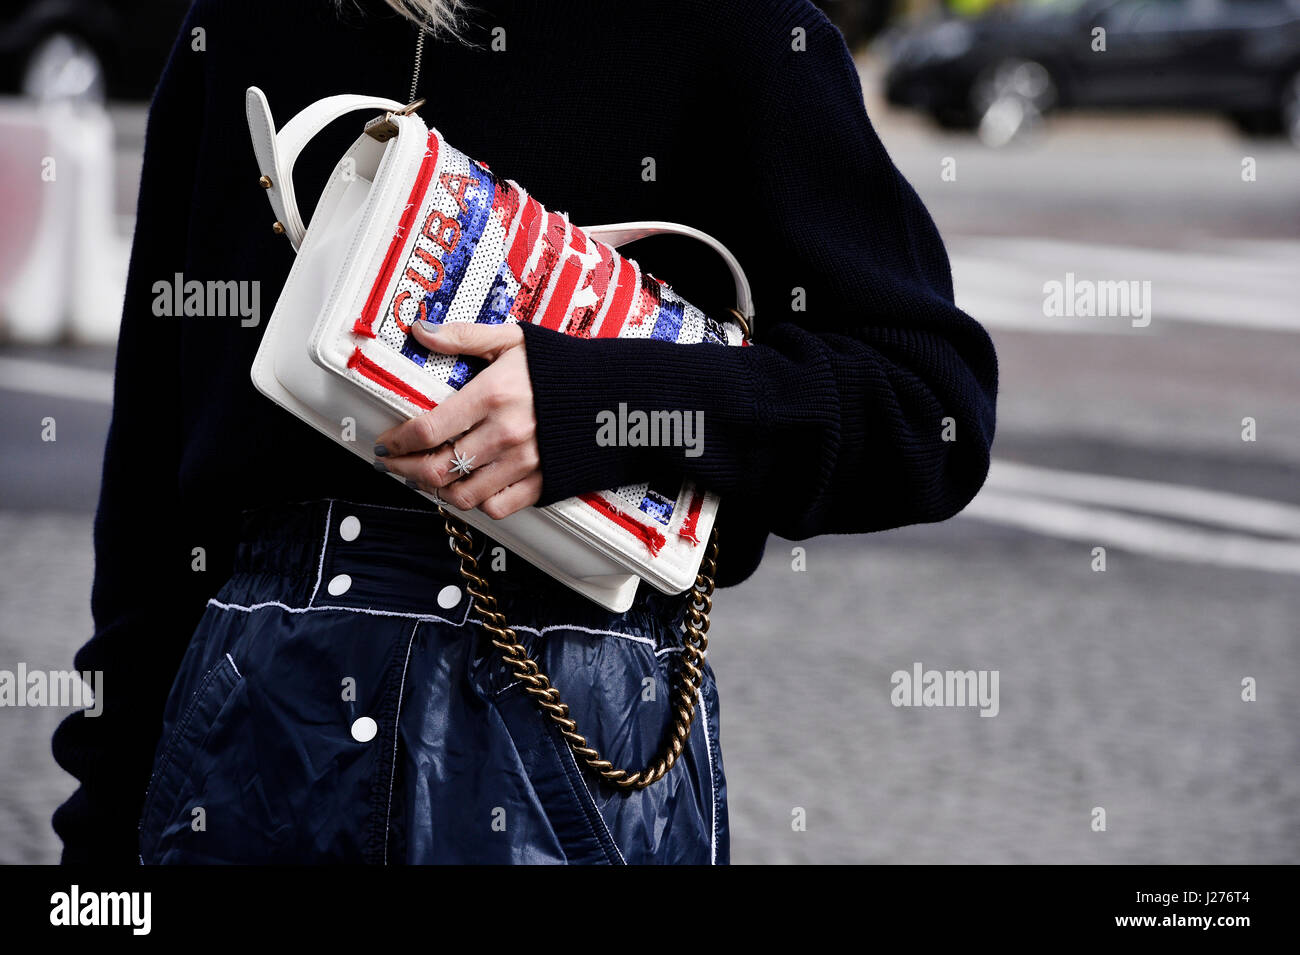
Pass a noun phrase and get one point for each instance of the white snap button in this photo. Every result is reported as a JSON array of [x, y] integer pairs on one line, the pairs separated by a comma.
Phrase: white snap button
[[339, 585], [364, 729], [349, 528], [449, 596]]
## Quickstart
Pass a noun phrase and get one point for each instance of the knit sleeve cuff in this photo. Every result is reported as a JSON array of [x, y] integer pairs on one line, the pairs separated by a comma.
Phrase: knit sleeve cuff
[[577, 382]]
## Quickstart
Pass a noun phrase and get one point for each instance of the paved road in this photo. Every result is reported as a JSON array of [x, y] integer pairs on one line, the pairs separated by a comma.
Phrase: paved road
[[1119, 690]]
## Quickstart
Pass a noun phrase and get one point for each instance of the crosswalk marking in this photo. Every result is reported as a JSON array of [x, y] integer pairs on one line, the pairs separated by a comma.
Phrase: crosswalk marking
[[1238, 283], [1141, 535], [1203, 506], [60, 381], [1141, 516]]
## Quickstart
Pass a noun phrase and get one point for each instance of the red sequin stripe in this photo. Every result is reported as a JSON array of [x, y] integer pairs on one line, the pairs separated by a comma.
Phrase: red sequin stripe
[[530, 225], [577, 239], [688, 528], [505, 203], [557, 309], [365, 325], [646, 534], [382, 376], [533, 288], [612, 326]]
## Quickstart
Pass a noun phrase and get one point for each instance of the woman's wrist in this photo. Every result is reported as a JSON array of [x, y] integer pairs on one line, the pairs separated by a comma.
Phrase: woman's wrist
[[612, 412]]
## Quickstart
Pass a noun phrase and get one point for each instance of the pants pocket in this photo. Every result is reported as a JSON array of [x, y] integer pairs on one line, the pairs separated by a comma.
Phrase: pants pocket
[[186, 741], [282, 751], [557, 782], [619, 690]]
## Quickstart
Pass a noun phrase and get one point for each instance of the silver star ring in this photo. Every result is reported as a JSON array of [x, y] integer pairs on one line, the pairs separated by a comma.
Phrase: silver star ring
[[461, 463]]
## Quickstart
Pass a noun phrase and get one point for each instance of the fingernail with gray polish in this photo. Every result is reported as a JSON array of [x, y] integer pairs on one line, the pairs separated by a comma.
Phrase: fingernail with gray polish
[[429, 326], [381, 451], [381, 467]]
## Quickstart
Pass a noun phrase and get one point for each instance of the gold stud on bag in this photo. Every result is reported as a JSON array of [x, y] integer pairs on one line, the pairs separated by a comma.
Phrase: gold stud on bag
[[686, 686]]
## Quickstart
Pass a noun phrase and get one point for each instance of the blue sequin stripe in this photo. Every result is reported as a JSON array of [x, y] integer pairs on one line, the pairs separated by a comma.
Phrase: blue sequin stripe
[[499, 299], [464, 369], [658, 505], [494, 311], [479, 200], [472, 223], [668, 323]]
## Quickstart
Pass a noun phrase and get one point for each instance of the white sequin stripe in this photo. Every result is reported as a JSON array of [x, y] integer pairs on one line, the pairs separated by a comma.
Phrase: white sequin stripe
[[691, 331], [424, 380], [631, 496]]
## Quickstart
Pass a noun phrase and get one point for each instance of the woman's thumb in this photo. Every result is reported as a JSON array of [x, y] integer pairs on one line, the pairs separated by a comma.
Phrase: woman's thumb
[[464, 338]]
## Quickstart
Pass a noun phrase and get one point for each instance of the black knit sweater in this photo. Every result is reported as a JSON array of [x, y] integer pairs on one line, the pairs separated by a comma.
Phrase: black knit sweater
[[751, 110]]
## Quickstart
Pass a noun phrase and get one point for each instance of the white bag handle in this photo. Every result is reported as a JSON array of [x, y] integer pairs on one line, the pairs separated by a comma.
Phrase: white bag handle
[[277, 153], [621, 233]]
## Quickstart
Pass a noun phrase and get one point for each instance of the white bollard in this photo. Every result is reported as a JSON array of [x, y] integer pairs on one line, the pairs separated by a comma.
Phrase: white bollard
[[62, 265], [37, 206]]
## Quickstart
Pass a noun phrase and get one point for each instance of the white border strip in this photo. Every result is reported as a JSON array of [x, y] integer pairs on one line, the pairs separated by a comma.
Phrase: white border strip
[[397, 723], [324, 546]]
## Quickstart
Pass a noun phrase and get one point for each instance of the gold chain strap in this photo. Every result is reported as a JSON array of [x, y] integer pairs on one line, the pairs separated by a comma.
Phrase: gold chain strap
[[686, 687]]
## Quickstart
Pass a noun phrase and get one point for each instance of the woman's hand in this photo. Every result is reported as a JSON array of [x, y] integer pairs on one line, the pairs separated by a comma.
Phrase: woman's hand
[[490, 421]]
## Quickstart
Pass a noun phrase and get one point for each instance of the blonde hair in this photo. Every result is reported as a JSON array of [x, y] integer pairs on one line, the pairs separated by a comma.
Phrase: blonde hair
[[436, 15]]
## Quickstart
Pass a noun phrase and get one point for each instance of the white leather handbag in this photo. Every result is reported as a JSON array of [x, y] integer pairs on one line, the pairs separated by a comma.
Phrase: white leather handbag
[[409, 227]]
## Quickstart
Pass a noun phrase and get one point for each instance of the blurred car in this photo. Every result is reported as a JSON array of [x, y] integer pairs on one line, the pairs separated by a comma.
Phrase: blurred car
[[1236, 57], [859, 20], [86, 49]]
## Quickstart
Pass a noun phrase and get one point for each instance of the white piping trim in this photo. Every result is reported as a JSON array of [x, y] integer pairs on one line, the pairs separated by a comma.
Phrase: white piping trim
[[424, 617], [434, 618], [324, 544], [713, 789], [598, 633], [377, 507], [603, 825], [233, 667], [397, 722]]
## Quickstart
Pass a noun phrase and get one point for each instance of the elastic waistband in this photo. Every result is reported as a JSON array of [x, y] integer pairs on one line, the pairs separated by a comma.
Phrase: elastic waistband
[[334, 553]]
